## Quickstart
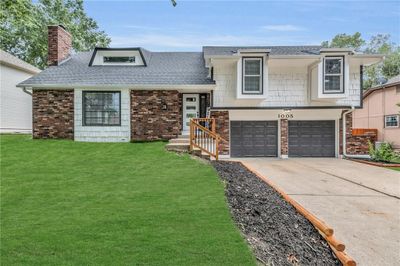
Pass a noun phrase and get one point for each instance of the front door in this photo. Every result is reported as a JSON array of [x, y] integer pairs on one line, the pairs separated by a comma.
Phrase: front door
[[190, 110]]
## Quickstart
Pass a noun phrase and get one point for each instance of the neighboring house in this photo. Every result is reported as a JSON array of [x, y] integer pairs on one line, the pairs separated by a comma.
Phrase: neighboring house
[[381, 111], [15, 105], [267, 101]]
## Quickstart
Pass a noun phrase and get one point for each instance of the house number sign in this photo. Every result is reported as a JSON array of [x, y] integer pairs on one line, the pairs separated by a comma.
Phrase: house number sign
[[285, 116]]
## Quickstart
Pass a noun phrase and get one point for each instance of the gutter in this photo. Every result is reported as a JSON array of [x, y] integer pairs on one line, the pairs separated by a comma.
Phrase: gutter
[[344, 150]]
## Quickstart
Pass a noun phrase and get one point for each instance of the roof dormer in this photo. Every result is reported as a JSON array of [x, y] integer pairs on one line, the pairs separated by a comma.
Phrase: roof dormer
[[117, 57]]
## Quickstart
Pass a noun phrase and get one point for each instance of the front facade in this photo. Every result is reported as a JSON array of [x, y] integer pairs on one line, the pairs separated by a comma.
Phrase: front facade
[[15, 105], [280, 101], [381, 111]]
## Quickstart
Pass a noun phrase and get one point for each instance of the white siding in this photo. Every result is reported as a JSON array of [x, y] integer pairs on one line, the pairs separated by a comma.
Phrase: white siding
[[103, 134], [287, 86], [15, 105]]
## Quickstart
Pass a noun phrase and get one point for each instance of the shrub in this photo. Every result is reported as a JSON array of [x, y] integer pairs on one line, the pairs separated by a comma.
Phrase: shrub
[[384, 153]]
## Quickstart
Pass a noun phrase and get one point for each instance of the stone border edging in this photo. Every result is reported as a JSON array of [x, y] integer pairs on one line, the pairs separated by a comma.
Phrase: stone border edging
[[325, 231], [379, 164]]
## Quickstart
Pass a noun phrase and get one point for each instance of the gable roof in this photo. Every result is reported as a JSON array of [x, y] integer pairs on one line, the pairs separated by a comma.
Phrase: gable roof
[[394, 81], [274, 50], [12, 61], [162, 68]]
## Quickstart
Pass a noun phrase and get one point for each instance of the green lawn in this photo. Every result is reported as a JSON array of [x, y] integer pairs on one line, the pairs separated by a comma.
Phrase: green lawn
[[71, 203], [395, 168]]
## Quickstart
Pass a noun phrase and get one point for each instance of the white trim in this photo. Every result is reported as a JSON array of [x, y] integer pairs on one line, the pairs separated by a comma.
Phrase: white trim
[[341, 75], [259, 75]]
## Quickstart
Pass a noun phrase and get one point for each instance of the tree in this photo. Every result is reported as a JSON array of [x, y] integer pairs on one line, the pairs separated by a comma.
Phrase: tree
[[345, 41], [378, 44], [23, 27]]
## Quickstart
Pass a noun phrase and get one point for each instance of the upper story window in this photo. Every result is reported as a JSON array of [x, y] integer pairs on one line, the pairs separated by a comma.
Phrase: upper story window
[[333, 75], [119, 59], [101, 108], [252, 75], [392, 121]]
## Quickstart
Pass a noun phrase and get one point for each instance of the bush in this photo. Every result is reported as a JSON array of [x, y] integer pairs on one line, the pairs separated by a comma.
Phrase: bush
[[384, 153]]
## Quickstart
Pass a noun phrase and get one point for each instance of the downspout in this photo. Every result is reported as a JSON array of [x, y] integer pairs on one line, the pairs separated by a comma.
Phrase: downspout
[[26, 91], [344, 138]]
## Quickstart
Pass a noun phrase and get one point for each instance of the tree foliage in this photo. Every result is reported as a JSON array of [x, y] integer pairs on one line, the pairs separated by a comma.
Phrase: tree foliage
[[23, 27], [378, 44], [346, 41]]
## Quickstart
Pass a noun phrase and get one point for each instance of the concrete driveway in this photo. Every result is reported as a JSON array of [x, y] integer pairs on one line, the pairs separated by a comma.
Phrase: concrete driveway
[[360, 202]]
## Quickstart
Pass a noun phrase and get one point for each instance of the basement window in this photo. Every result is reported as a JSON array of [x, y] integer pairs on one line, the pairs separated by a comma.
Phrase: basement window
[[119, 59], [333, 75], [252, 75], [392, 121], [101, 108]]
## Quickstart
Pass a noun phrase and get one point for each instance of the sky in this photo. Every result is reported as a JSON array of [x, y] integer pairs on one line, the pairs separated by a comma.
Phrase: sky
[[158, 26]]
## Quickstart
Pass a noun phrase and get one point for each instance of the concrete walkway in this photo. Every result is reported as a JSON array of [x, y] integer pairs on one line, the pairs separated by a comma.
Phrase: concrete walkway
[[360, 202]]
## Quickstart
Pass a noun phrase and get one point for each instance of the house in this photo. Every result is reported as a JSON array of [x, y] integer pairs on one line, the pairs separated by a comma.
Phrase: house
[[16, 105], [276, 101], [381, 111]]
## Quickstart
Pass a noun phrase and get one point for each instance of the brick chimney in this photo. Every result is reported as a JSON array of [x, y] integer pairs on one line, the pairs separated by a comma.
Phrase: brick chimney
[[60, 44]]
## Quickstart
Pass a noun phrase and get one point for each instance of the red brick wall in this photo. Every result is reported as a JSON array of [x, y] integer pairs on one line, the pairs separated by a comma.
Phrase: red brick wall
[[284, 137], [222, 128], [356, 144], [59, 45], [53, 114], [150, 120]]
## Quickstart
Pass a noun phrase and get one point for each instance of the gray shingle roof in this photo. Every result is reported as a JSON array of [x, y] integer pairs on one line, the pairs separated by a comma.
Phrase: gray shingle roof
[[275, 50], [163, 68]]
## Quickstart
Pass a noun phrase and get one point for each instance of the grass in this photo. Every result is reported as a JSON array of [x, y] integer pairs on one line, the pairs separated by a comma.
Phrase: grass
[[395, 168], [71, 203]]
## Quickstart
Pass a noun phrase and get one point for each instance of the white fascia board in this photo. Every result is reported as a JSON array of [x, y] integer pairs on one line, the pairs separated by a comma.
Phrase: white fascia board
[[294, 56], [368, 59]]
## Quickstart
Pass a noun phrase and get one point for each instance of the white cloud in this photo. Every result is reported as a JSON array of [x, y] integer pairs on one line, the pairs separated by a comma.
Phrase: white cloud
[[283, 27]]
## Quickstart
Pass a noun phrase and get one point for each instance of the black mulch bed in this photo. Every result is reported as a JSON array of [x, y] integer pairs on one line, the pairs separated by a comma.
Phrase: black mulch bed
[[278, 234]]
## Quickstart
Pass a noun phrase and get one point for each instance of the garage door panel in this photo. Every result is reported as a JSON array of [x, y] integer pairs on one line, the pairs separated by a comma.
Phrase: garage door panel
[[312, 138], [254, 138]]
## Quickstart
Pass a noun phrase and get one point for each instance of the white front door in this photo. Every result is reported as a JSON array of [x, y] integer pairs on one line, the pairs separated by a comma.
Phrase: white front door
[[190, 110]]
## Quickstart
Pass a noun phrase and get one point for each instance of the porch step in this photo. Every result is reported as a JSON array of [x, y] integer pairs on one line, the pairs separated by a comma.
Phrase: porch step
[[179, 140], [179, 147], [183, 136]]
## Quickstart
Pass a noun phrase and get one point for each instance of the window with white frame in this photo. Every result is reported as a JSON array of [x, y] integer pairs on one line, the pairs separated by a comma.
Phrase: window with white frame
[[333, 75], [101, 108], [391, 120], [252, 75]]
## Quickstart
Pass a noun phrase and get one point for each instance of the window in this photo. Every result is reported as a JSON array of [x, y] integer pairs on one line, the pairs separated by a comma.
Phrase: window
[[101, 108], [119, 59], [252, 75], [333, 75], [392, 121]]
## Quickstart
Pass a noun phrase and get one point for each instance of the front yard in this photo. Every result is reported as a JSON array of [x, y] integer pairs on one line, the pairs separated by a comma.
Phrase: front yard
[[65, 202]]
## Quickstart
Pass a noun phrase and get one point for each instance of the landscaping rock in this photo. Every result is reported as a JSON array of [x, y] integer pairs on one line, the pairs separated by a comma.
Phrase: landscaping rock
[[278, 234]]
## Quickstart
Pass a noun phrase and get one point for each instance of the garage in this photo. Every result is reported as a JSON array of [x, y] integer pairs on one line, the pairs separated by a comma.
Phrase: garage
[[254, 138], [312, 138]]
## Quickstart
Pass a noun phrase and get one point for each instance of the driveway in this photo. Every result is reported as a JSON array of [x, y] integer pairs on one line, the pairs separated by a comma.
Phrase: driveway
[[360, 202]]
